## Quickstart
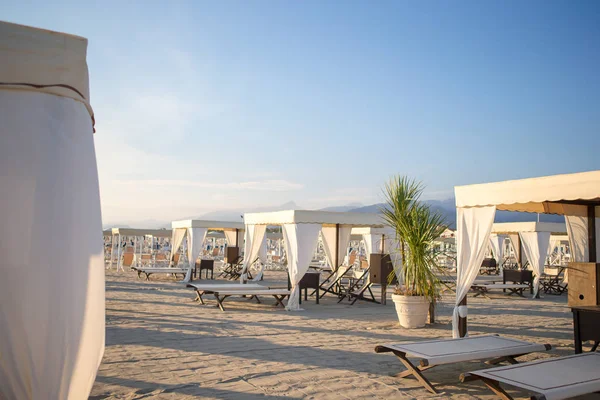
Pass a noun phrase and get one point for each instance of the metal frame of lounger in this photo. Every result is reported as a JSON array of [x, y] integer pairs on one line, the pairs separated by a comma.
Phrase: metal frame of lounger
[[582, 385], [483, 289], [334, 286], [228, 270], [278, 294], [407, 350], [150, 271], [205, 288], [359, 294]]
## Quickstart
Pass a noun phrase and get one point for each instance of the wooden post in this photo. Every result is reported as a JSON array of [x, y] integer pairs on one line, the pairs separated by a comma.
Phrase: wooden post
[[520, 261], [236, 237], [431, 313], [384, 278], [591, 211], [337, 247], [462, 322], [592, 251]]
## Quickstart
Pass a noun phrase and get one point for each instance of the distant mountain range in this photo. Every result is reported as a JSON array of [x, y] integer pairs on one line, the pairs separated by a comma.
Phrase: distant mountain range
[[446, 207]]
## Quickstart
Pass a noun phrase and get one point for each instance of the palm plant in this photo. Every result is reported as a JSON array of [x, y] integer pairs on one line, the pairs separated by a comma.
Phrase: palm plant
[[417, 226]]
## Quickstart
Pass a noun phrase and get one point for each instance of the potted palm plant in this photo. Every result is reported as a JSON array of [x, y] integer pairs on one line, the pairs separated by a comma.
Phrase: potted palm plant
[[417, 226]]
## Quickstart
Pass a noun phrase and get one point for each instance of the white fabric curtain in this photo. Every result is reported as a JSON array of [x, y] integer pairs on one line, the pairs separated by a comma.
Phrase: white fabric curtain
[[474, 226], [248, 234], [328, 233], [258, 236], [176, 240], [51, 285], [497, 242], [230, 238], [535, 246], [300, 244], [196, 238], [262, 257], [514, 242]]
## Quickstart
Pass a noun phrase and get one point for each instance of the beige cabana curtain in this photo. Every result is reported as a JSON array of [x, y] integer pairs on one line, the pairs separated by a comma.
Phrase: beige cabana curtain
[[535, 246], [300, 244], [474, 226], [176, 241], [51, 287], [196, 238], [328, 234]]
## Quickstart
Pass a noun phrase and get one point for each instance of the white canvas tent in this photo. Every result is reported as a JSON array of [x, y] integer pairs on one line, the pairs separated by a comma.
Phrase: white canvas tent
[[52, 286], [301, 230], [530, 238], [138, 237], [196, 231], [576, 196]]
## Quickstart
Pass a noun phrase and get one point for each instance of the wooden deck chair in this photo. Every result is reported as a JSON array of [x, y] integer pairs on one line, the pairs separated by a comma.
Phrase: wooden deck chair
[[229, 267], [551, 378], [431, 353], [332, 284], [552, 281], [358, 290], [157, 270], [128, 260]]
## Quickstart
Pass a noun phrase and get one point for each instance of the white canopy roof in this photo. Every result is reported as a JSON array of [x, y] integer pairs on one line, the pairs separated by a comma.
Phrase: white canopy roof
[[141, 232], [558, 228], [539, 195], [362, 230], [314, 217], [212, 225]]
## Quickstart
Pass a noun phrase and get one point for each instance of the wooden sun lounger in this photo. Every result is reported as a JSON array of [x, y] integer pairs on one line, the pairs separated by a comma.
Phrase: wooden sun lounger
[[278, 294], [204, 288], [431, 353], [149, 271], [514, 288], [551, 378]]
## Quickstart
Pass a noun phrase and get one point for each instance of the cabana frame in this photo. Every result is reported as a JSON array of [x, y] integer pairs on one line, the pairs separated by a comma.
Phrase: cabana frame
[[576, 196]]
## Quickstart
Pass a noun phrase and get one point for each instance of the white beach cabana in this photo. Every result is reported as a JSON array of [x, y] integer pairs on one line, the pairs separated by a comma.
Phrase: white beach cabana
[[138, 236], [195, 231], [576, 196], [52, 286], [301, 230], [531, 238], [515, 232]]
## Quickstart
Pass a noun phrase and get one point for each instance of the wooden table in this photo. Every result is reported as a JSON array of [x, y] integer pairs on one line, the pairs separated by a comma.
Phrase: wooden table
[[586, 325]]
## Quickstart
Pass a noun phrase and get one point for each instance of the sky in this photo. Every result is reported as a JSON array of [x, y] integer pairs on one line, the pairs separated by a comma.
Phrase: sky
[[206, 106]]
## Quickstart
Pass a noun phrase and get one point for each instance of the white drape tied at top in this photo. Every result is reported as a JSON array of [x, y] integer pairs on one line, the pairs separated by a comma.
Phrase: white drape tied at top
[[300, 244], [328, 233], [254, 250], [535, 245], [474, 226], [196, 238], [51, 285], [176, 241]]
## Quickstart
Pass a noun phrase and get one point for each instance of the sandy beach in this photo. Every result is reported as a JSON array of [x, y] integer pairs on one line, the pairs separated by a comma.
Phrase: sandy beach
[[161, 344]]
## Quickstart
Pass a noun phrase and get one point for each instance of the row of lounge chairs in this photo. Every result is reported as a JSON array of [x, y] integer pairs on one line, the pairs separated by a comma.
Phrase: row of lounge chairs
[[550, 379]]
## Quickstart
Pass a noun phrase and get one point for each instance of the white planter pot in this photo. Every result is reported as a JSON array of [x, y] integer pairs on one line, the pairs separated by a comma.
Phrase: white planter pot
[[412, 310]]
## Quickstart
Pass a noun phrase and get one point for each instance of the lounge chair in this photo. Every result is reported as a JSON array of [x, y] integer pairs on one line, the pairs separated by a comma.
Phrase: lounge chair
[[158, 270], [552, 280], [357, 291], [332, 284], [431, 353], [552, 378], [483, 289], [518, 276], [204, 288], [278, 294], [222, 291]]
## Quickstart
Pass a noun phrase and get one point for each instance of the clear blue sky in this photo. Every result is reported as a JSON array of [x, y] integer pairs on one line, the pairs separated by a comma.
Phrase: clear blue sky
[[215, 105]]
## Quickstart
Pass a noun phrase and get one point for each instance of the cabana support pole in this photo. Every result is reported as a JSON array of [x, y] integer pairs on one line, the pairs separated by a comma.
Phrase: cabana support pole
[[337, 247], [591, 211], [462, 321]]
